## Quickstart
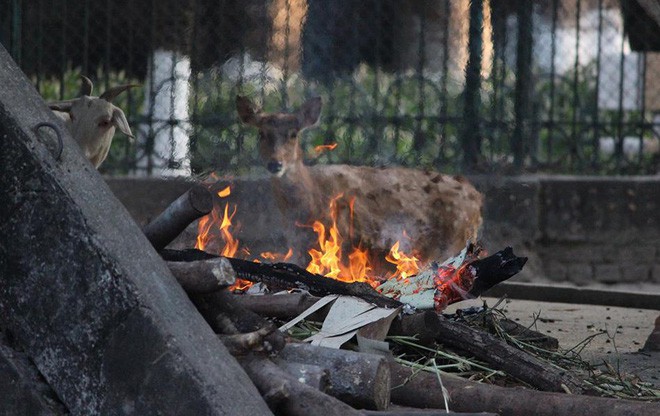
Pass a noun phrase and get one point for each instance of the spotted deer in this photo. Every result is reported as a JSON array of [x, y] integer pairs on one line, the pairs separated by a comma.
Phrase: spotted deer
[[429, 212]]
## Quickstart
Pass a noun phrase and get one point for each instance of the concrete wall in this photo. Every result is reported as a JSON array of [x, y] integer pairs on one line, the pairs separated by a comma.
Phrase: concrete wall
[[582, 230]]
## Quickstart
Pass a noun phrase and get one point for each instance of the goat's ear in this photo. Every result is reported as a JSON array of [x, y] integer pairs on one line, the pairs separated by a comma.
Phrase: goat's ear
[[119, 121], [310, 112], [64, 106], [247, 111]]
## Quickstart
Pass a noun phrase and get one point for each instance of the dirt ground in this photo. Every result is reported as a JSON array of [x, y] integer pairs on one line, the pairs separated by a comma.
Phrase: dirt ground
[[624, 331]]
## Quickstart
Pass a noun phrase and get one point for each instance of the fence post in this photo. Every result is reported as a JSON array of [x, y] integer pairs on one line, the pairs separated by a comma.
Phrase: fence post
[[471, 134], [523, 102]]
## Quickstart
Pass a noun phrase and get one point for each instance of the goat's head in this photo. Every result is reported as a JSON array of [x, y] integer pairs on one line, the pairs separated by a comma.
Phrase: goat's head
[[92, 120], [279, 145]]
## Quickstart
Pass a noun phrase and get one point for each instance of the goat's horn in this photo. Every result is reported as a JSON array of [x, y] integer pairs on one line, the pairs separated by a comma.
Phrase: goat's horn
[[86, 86], [62, 105], [112, 93]]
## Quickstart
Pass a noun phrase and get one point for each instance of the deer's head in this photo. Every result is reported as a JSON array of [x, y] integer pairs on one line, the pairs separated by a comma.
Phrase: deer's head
[[279, 145]]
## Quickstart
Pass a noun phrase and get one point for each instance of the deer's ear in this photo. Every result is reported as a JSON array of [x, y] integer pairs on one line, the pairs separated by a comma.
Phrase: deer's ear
[[247, 111], [310, 112]]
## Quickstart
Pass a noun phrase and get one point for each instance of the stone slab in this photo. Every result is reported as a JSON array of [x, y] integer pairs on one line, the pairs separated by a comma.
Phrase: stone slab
[[83, 292]]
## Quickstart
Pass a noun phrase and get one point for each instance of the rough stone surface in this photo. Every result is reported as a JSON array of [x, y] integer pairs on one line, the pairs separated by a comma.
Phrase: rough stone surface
[[23, 390], [84, 294]]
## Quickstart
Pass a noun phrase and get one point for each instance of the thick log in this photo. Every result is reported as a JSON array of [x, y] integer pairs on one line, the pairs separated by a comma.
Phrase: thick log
[[486, 347], [361, 380], [85, 296], [287, 396], [193, 204], [421, 389], [282, 306], [289, 276], [203, 276], [312, 375], [218, 307]]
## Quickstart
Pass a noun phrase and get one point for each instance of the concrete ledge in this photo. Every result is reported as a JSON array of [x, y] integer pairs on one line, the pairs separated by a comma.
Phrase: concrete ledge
[[577, 295], [579, 230]]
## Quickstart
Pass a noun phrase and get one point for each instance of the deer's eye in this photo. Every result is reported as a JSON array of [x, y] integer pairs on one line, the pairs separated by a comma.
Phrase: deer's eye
[[104, 123]]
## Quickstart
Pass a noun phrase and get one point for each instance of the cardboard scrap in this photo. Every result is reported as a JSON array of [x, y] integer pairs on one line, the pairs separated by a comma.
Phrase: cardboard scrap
[[346, 317]]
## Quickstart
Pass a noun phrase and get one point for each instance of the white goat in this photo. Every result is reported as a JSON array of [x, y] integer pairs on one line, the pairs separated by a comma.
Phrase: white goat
[[92, 120]]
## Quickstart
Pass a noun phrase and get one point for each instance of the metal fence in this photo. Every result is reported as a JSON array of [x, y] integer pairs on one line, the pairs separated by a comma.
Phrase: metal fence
[[493, 86]]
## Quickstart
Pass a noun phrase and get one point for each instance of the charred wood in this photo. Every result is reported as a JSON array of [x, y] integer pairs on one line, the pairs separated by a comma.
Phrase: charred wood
[[420, 389], [289, 276], [287, 396], [361, 380], [495, 269], [203, 276], [194, 203], [519, 364]]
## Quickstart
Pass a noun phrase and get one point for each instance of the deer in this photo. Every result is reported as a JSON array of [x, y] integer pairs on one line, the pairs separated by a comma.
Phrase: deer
[[432, 214], [92, 120]]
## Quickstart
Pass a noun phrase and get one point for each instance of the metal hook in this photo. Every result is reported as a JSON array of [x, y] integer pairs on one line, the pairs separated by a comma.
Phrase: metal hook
[[60, 143]]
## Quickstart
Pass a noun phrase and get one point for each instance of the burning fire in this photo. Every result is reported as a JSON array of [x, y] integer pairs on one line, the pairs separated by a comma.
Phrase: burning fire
[[204, 236], [327, 259], [406, 265]]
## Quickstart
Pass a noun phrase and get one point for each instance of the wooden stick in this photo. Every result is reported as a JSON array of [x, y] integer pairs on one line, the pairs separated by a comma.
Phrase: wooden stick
[[361, 380], [219, 307], [287, 396], [194, 203], [422, 389], [203, 276], [486, 347], [243, 344]]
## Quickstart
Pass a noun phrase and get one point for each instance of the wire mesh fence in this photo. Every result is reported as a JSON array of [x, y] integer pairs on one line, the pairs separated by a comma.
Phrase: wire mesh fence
[[496, 86]]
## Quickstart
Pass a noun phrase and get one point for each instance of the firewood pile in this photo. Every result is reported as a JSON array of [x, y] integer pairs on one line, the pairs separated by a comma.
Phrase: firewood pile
[[408, 375]]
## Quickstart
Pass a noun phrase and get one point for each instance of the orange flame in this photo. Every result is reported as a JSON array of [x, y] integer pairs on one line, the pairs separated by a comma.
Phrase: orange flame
[[224, 192], [275, 257], [406, 265], [324, 147], [327, 258]]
